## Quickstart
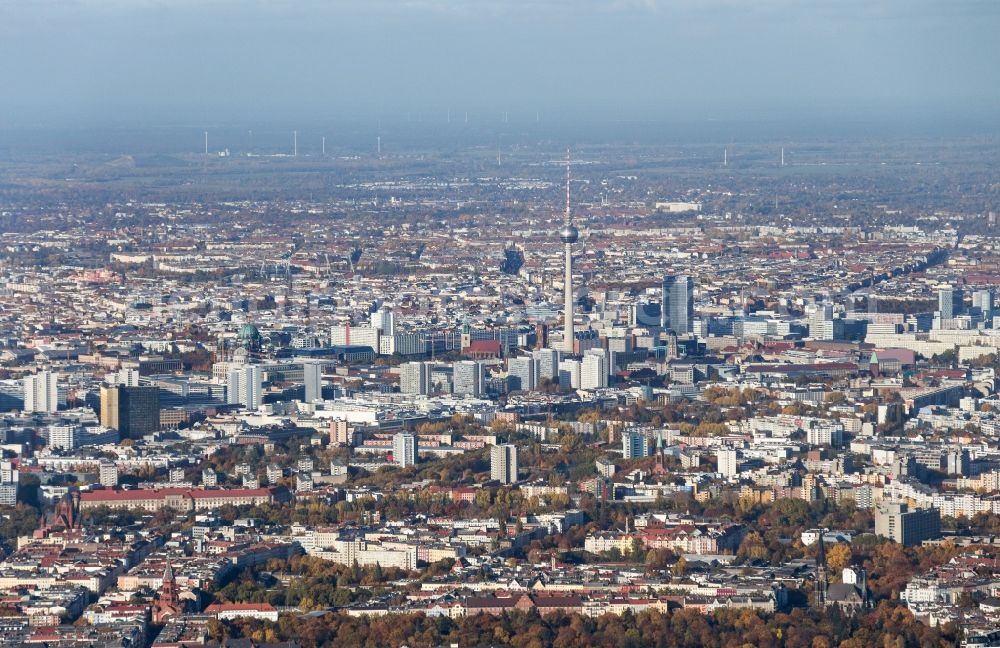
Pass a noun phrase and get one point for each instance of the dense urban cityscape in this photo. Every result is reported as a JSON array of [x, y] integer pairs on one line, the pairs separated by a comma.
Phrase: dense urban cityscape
[[552, 392], [499, 324]]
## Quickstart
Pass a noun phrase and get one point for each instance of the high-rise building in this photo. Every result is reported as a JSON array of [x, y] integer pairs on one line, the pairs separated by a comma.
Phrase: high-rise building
[[107, 474], [8, 483], [569, 374], [127, 377], [109, 406], [469, 377], [959, 462], [907, 527], [670, 341], [677, 304], [635, 445], [341, 432], [522, 372], [244, 386], [62, 437], [821, 326], [384, 321], [209, 478], [404, 449], [541, 335], [312, 373], [503, 463], [594, 370], [355, 335], [982, 300], [729, 466], [41, 392], [546, 363], [415, 378], [949, 302], [304, 482], [133, 411]]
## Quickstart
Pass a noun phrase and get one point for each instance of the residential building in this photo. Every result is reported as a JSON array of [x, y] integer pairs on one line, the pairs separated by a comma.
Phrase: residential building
[[594, 370], [546, 364], [244, 386], [404, 449], [415, 378], [522, 372], [8, 483], [41, 392], [635, 445], [62, 437], [107, 474], [569, 374], [503, 463], [469, 377], [728, 463]]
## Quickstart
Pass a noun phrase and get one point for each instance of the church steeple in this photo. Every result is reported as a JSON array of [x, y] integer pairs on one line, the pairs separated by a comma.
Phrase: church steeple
[[822, 582], [658, 467], [169, 603]]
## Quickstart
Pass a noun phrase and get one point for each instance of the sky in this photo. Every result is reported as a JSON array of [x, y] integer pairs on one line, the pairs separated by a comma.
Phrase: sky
[[193, 60]]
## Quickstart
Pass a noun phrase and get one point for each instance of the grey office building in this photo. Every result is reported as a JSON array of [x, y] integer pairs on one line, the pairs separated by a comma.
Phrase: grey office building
[[950, 302], [907, 527], [677, 304], [522, 373]]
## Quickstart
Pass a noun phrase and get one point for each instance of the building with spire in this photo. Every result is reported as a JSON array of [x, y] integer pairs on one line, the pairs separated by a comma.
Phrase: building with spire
[[822, 581], [851, 594], [168, 604], [658, 467]]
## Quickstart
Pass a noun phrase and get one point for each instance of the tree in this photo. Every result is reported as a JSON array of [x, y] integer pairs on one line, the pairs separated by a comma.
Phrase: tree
[[752, 547], [839, 556]]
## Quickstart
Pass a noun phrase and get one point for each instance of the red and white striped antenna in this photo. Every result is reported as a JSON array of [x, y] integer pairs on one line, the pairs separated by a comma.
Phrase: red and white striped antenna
[[567, 185]]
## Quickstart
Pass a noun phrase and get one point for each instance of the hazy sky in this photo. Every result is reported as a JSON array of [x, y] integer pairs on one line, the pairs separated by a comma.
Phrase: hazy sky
[[620, 59]]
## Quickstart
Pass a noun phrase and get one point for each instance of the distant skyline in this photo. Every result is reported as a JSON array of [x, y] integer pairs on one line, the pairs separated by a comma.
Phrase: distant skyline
[[187, 61]]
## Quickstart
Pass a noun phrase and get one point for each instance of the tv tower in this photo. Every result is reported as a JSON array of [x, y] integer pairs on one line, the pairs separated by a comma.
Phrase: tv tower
[[569, 235]]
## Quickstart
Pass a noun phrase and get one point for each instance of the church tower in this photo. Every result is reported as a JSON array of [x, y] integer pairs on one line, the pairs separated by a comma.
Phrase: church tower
[[822, 580], [658, 467], [866, 595], [169, 602]]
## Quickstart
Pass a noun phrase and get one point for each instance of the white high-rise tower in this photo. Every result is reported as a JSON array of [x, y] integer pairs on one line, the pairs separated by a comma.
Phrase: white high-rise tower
[[569, 235]]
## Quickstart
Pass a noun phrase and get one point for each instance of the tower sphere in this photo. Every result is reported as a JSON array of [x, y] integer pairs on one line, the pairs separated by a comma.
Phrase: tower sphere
[[569, 233]]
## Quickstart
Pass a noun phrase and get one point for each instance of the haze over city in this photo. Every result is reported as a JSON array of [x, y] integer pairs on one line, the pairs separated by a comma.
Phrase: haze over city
[[106, 61]]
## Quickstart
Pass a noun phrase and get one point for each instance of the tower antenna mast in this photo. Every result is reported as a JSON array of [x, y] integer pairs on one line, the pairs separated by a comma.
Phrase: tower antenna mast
[[568, 235]]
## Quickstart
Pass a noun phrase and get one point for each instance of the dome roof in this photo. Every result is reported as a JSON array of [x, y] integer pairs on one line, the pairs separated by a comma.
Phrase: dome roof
[[248, 332]]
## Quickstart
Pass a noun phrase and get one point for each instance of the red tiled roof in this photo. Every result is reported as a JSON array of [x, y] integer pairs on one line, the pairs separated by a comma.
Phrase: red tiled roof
[[484, 346], [215, 608], [112, 495]]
